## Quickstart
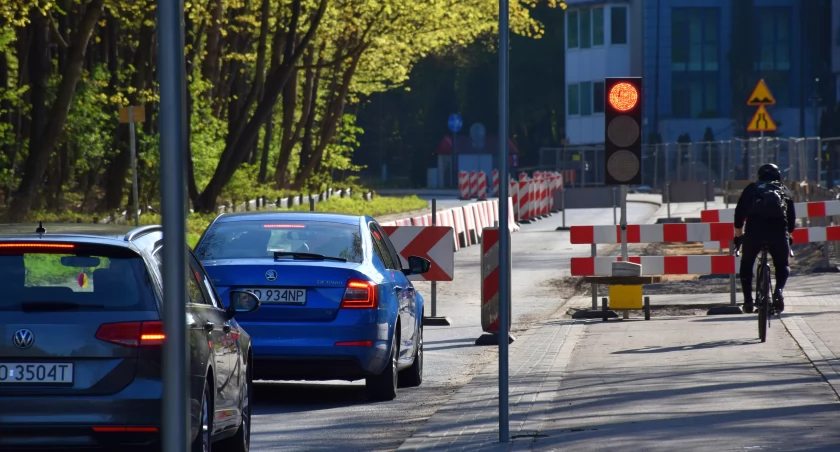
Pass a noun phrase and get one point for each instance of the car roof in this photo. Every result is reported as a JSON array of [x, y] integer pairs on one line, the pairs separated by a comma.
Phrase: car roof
[[75, 232], [276, 215]]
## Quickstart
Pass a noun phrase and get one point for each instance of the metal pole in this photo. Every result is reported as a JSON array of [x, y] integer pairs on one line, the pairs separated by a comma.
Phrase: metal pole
[[564, 207], [173, 142], [134, 190], [454, 160], [668, 192], [434, 283], [624, 222], [311, 203], [732, 289], [504, 234], [615, 222]]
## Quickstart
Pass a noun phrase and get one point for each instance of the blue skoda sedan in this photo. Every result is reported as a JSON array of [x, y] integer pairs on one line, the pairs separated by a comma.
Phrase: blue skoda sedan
[[336, 303]]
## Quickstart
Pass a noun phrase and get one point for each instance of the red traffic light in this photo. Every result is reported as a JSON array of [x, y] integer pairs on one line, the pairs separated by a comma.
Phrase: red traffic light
[[623, 96]]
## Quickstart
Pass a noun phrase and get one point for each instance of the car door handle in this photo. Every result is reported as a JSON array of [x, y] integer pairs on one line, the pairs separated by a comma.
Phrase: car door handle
[[226, 327], [209, 326]]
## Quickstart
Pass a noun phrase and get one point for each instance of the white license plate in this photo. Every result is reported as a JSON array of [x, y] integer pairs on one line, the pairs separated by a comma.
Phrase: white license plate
[[36, 373], [280, 295]]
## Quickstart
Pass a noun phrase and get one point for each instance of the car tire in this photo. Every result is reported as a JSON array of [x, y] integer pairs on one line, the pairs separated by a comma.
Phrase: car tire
[[203, 442], [413, 376], [383, 387], [241, 441]]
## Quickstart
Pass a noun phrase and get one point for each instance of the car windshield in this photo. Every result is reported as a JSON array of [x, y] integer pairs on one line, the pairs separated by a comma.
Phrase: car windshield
[[73, 277], [261, 239]]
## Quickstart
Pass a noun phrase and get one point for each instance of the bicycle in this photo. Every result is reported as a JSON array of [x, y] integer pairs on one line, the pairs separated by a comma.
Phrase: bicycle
[[763, 298]]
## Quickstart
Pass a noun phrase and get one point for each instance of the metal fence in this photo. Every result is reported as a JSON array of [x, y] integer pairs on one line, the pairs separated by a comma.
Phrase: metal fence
[[712, 161]]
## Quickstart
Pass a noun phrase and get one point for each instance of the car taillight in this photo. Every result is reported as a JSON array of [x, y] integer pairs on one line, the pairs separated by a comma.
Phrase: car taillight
[[132, 334], [360, 295]]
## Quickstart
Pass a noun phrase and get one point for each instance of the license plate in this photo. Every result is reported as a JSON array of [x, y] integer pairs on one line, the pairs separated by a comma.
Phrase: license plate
[[36, 373], [280, 296]]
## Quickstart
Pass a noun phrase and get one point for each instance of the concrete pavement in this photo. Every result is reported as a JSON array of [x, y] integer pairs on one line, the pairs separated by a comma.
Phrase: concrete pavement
[[673, 383], [337, 416]]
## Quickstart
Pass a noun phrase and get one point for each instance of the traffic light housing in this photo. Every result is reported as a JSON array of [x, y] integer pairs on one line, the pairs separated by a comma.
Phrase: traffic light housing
[[623, 130]]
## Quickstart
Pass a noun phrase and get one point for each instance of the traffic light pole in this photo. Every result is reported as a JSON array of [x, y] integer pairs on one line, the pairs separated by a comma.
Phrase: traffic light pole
[[504, 230], [623, 222]]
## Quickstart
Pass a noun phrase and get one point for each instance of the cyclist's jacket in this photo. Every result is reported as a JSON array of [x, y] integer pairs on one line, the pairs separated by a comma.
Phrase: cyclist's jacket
[[758, 225]]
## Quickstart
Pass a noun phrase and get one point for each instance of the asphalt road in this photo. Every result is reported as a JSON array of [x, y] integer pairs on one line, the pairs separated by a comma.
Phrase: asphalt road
[[337, 416]]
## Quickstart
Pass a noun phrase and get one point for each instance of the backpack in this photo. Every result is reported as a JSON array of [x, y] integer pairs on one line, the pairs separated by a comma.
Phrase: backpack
[[769, 200]]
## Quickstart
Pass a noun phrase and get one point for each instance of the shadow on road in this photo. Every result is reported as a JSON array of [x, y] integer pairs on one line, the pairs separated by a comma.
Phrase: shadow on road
[[682, 348], [300, 397]]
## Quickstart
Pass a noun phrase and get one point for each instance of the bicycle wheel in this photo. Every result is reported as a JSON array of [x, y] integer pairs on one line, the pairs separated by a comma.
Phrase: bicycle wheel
[[761, 302]]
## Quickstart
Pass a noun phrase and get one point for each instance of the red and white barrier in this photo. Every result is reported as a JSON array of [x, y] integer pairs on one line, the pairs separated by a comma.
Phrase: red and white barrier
[[653, 233], [464, 184], [482, 185], [431, 242], [490, 281], [473, 184], [803, 210], [659, 265], [495, 182]]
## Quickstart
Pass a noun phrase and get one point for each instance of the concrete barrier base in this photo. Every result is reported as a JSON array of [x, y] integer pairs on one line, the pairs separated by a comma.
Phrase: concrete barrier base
[[492, 339], [436, 321], [594, 314], [725, 310]]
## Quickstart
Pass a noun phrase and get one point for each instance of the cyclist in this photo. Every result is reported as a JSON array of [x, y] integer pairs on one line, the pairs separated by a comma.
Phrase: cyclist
[[767, 206]]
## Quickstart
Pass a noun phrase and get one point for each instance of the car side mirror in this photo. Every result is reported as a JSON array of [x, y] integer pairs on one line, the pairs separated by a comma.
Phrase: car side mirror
[[417, 266], [242, 302]]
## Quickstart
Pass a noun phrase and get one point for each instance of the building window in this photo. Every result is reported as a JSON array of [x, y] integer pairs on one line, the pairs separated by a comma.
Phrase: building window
[[694, 39], [597, 26], [598, 97], [618, 25], [574, 99], [572, 29], [586, 99], [585, 28], [695, 62], [774, 51]]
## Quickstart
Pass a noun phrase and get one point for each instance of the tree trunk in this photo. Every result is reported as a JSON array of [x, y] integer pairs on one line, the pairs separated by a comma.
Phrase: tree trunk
[[335, 110], [237, 146], [118, 168], [269, 134], [210, 68], [36, 163]]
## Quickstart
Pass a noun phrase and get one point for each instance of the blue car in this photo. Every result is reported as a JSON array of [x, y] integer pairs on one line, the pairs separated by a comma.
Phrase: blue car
[[336, 303]]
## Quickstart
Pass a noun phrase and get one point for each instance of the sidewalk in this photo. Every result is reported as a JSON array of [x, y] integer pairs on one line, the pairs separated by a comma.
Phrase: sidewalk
[[689, 382]]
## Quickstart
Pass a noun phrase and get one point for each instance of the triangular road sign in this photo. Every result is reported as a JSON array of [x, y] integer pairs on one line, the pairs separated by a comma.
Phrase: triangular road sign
[[761, 121], [761, 95]]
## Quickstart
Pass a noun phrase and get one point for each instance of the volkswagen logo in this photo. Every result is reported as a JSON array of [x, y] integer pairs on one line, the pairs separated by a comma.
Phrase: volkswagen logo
[[271, 275], [23, 339]]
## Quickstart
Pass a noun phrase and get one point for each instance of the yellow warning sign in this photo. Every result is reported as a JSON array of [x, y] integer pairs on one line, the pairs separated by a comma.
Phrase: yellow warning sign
[[761, 95], [761, 121]]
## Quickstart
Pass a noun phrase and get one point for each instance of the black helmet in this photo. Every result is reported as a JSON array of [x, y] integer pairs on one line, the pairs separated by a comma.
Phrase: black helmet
[[769, 172]]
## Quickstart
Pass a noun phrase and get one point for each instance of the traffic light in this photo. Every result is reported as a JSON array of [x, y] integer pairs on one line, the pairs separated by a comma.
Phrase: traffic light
[[623, 130]]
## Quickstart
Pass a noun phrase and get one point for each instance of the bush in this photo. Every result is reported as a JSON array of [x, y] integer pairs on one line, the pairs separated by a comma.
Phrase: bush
[[197, 223]]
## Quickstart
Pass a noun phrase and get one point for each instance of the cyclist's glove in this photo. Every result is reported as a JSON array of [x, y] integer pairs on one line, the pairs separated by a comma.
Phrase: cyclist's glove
[[737, 242], [790, 241]]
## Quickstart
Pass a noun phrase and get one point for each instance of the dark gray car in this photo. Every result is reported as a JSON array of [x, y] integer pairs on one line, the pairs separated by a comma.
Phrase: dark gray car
[[81, 338]]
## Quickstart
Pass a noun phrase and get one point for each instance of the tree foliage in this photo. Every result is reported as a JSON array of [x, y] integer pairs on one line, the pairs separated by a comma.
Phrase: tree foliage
[[269, 86]]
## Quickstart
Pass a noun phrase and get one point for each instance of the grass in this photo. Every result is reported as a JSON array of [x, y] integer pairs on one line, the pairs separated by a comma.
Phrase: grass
[[197, 223]]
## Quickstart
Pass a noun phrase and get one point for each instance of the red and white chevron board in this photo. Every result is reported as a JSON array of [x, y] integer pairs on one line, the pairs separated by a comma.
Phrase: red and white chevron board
[[653, 233], [803, 210], [659, 265], [473, 184], [464, 184], [432, 242], [495, 182], [490, 280]]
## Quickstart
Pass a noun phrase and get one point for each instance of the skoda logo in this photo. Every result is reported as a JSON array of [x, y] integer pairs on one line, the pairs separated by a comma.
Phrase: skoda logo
[[23, 338], [271, 275]]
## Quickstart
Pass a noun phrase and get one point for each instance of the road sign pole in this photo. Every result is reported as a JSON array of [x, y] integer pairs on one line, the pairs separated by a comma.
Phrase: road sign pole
[[132, 147], [434, 283], [172, 79], [504, 235], [624, 222], [454, 160]]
